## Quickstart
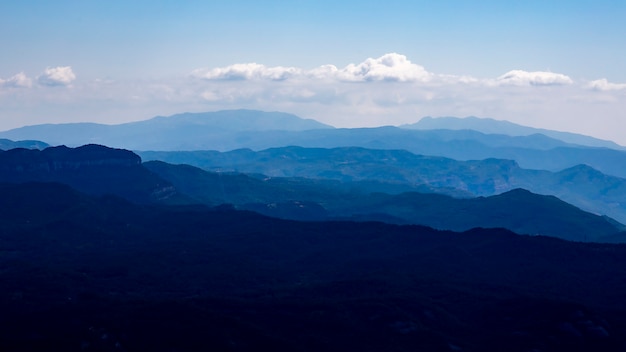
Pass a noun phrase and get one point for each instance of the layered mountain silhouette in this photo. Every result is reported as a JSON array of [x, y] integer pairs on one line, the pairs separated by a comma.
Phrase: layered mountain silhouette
[[306, 249], [305, 199], [100, 170], [580, 185], [492, 126], [235, 129]]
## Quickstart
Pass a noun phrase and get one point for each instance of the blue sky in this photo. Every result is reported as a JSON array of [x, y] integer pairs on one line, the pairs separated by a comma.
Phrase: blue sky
[[551, 64]]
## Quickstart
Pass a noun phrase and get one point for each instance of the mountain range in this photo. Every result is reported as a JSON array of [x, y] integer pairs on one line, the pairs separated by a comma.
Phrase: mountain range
[[187, 131], [586, 185], [580, 185], [236, 129], [317, 199], [99, 170]]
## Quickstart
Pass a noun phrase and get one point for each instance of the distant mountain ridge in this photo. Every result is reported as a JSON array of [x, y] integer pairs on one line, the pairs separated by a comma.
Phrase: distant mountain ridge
[[235, 129], [180, 131], [493, 126], [244, 120]]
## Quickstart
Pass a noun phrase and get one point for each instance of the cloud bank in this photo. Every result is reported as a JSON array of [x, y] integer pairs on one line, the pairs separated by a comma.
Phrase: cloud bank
[[389, 67], [247, 72]]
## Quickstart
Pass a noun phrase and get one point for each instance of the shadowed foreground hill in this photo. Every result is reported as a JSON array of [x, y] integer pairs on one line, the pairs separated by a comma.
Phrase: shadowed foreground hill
[[79, 273]]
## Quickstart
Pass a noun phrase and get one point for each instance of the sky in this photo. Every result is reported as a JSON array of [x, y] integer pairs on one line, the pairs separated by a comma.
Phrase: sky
[[547, 64]]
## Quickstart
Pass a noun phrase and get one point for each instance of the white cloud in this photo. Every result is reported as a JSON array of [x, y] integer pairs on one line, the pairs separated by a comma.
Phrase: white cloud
[[57, 76], [249, 71], [604, 85], [389, 67], [323, 72], [536, 78], [17, 81]]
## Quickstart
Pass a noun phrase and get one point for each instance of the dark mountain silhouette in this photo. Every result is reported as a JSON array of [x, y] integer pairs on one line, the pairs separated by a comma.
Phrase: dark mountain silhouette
[[100, 170], [306, 199], [86, 273], [581, 186], [93, 169], [6, 144], [492, 126]]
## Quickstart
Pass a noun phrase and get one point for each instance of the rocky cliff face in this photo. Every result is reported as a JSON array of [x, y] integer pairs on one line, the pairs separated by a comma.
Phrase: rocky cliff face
[[92, 169], [62, 158]]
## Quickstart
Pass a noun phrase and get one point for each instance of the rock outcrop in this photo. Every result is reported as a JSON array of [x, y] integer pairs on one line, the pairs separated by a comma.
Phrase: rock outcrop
[[93, 169]]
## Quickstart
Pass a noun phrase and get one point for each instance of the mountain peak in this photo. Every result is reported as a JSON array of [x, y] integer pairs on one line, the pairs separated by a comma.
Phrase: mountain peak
[[186, 131], [243, 120]]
